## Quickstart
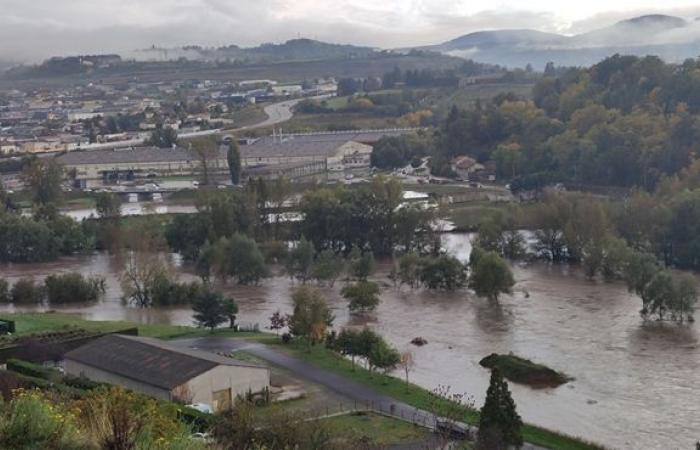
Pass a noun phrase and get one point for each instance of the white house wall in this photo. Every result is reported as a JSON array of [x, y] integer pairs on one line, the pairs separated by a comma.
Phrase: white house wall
[[237, 378]]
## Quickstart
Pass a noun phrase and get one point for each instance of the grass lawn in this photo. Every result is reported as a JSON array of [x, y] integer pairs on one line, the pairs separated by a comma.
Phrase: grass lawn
[[468, 216], [70, 200], [382, 430], [337, 102], [28, 323], [320, 356], [84, 202]]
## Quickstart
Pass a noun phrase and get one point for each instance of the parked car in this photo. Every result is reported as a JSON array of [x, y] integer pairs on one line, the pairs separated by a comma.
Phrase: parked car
[[202, 437], [202, 407]]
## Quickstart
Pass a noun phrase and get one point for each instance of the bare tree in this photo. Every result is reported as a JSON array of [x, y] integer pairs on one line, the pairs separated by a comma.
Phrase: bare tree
[[407, 362], [142, 271]]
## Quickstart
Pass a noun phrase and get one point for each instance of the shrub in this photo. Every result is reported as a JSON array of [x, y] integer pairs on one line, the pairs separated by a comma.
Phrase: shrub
[[166, 292], [27, 291], [30, 421], [10, 382], [81, 383], [198, 420], [33, 370], [119, 419], [239, 257], [73, 288]]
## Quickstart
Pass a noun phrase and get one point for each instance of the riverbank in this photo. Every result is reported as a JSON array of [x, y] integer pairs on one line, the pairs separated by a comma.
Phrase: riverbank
[[411, 394]]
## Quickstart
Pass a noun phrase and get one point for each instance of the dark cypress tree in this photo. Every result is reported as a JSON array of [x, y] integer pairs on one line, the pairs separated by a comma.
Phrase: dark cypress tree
[[499, 425], [233, 157]]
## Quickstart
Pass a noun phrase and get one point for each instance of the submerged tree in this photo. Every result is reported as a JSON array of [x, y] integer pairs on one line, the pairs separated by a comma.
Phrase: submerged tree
[[143, 271], [410, 269], [443, 272], [362, 296], [328, 267], [312, 315], [665, 294], [490, 275], [300, 260], [361, 264], [108, 205]]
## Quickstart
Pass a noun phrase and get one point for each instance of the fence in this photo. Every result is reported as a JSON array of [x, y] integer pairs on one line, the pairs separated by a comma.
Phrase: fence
[[447, 429], [395, 411]]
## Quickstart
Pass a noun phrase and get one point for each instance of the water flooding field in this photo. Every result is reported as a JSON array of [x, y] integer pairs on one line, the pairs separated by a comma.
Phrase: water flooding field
[[635, 385]]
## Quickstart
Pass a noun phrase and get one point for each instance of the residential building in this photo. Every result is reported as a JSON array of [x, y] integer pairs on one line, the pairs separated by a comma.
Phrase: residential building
[[465, 167]]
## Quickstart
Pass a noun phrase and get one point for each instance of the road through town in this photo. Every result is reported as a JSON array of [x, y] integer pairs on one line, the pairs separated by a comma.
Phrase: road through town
[[276, 113]]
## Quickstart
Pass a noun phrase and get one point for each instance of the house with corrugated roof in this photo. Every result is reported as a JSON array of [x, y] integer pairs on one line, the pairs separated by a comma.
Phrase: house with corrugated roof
[[159, 369]]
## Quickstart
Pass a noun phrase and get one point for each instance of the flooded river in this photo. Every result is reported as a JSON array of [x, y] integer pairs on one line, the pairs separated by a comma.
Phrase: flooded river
[[634, 388]]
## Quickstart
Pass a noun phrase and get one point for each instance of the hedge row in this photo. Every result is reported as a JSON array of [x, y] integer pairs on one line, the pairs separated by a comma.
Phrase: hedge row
[[33, 370]]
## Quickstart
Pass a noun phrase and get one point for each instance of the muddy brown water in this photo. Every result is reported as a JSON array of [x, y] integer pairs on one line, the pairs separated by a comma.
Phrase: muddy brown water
[[635, 385]]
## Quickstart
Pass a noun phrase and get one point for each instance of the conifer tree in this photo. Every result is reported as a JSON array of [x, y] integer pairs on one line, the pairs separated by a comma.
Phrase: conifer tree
[[499, 425]]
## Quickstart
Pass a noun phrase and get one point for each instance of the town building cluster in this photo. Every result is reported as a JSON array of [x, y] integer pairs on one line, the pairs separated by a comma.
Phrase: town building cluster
[[95, 115]]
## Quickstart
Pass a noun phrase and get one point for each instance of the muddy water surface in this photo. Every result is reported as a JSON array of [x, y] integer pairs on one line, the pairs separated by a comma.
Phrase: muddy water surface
[[635, 387]]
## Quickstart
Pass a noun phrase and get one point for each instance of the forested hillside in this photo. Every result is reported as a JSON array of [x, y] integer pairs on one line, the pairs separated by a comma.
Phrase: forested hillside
[[626, 121]]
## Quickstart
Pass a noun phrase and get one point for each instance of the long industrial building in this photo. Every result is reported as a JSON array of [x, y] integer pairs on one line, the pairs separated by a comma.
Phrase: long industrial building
[[291, 155]]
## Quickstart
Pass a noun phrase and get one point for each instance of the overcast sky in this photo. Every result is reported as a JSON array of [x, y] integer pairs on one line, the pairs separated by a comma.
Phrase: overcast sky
[[32, 29]]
